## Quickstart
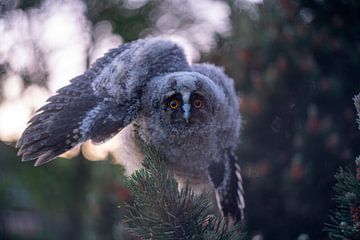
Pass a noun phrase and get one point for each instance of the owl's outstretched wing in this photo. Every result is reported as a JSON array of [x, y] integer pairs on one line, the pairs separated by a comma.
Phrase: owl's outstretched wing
[[100, 102], [226, 179]]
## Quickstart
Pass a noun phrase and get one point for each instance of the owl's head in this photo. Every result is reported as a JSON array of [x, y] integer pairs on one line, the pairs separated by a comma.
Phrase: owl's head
[[184, 100]]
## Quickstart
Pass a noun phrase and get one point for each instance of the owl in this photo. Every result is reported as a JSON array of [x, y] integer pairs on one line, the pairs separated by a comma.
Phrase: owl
[[147, 90]]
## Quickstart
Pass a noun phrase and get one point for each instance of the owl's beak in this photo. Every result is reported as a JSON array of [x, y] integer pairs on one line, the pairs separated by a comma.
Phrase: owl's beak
[[186, 107]]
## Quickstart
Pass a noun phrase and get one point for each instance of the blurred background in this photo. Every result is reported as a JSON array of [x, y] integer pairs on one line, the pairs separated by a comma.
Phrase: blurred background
[[296, 65]]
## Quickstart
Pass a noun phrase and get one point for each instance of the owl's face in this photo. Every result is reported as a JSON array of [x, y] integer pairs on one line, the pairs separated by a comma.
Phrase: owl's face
[[186, 108], [183, 101]]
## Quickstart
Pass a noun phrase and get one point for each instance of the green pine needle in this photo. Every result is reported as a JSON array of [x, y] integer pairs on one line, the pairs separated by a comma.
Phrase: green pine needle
[[342, 225], [161, 211]]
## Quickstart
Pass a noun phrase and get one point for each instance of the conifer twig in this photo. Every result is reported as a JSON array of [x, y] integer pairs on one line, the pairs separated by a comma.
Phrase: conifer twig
[[161, 211]]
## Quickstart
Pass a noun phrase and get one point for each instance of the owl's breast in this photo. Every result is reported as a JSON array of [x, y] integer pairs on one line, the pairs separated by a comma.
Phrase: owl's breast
[[189, 156], [188, 150]]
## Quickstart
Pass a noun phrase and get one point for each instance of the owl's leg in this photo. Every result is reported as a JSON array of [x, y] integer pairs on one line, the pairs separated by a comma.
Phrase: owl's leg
[[227, 182]]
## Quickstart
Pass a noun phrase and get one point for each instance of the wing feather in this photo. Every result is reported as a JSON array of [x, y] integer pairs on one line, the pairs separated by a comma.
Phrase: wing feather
[[100, 102], [227, 182]]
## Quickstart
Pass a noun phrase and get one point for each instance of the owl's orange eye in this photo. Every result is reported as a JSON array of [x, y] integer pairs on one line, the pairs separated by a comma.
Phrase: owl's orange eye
[[197, 103], [174, 104]]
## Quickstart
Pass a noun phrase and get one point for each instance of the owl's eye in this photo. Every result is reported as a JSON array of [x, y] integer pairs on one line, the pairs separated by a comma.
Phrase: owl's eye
[[197, 103], [174, 104]]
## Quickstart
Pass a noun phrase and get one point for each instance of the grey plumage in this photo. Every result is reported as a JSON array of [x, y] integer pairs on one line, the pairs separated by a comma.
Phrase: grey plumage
[[188, 112]]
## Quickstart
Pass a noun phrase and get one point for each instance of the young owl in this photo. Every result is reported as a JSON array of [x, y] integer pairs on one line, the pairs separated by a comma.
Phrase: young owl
[[146, 89]]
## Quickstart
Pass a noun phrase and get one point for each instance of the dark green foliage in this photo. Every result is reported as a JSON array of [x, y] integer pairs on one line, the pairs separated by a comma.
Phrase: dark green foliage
[[127, 22], [161, 211], [357, 106], [345, 219], [345, 222], [296, 75]]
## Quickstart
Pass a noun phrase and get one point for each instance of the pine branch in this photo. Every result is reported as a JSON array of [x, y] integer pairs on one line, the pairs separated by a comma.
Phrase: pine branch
[[356, 100], [161, 211], [345, 219]]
